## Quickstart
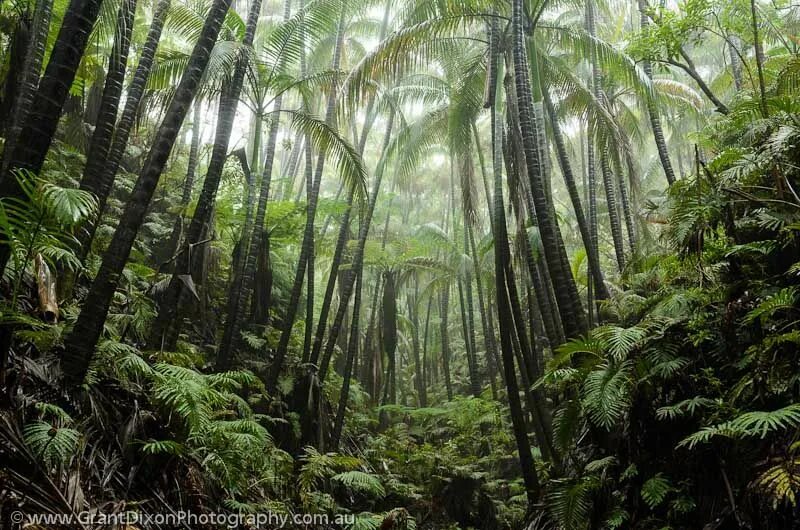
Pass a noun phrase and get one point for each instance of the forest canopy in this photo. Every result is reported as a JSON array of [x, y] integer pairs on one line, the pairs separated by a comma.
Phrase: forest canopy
[[366, 264]]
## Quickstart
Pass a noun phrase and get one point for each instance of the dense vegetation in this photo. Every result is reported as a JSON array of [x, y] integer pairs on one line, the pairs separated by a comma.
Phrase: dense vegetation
[[430, 264]]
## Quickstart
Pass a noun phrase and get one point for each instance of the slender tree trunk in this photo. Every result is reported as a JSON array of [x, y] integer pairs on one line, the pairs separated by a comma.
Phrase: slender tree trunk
[[308, 233], [569, 180], [80, 344], [652, 108], [133, 98], [488, 334], [445, 307], [467, 306], [528, 469], [352, 352], [97, 157], [31, 69], [167, 324], [605, 167], [569, 304], [413, 312], [188, 183], [759, 53], [358, 253]]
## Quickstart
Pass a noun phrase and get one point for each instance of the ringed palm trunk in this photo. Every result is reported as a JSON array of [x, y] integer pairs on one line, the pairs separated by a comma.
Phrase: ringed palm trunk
[[469, 308], [390, 333], [167, 325], [605, 167], [488, 332], [574, 195], [253, 237], [97, 158], [133, 98], [80, 344], [652, 108], [344, 228], [31, 69], [188, 182], [445, 308], [352, 352], [306, 246], [528, 469], [569, 304], [413, 311], [41, 121]]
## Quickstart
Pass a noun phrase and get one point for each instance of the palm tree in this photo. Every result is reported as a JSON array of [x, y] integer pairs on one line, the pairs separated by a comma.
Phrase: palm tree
[[308, 234], [80, 344], [29, 81], [133, 98], [569, 305], [605, 166], [358, 253], [166, 327], [652, 109], [505, 319], [97, 157]]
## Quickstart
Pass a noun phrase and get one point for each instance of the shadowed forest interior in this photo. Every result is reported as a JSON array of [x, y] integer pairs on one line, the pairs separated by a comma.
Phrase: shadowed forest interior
[[434, 264]]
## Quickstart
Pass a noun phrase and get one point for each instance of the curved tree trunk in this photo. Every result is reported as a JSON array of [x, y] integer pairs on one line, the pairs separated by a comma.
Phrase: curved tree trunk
[[133, 97], [97, 157], [167, 324], [569, 180], [569, 304], [652, 108], [80, 344], [308, 232]]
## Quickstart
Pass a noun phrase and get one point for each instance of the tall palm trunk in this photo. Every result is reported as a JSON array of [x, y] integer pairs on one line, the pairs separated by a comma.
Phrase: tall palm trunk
[[37, 133], [188, 182], [133, 98], [652, 108], [445, 337], [759, 53], [488, 333], [167, 324], [352, 353], [253, 237], [389, 334], [29, 81], [344, 228], [358, 253], [469, 308], [502, 257], [306, 246], [605, 167], [569, 304], [97, 157], [80, 344], [413, 312], [569, 179]]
